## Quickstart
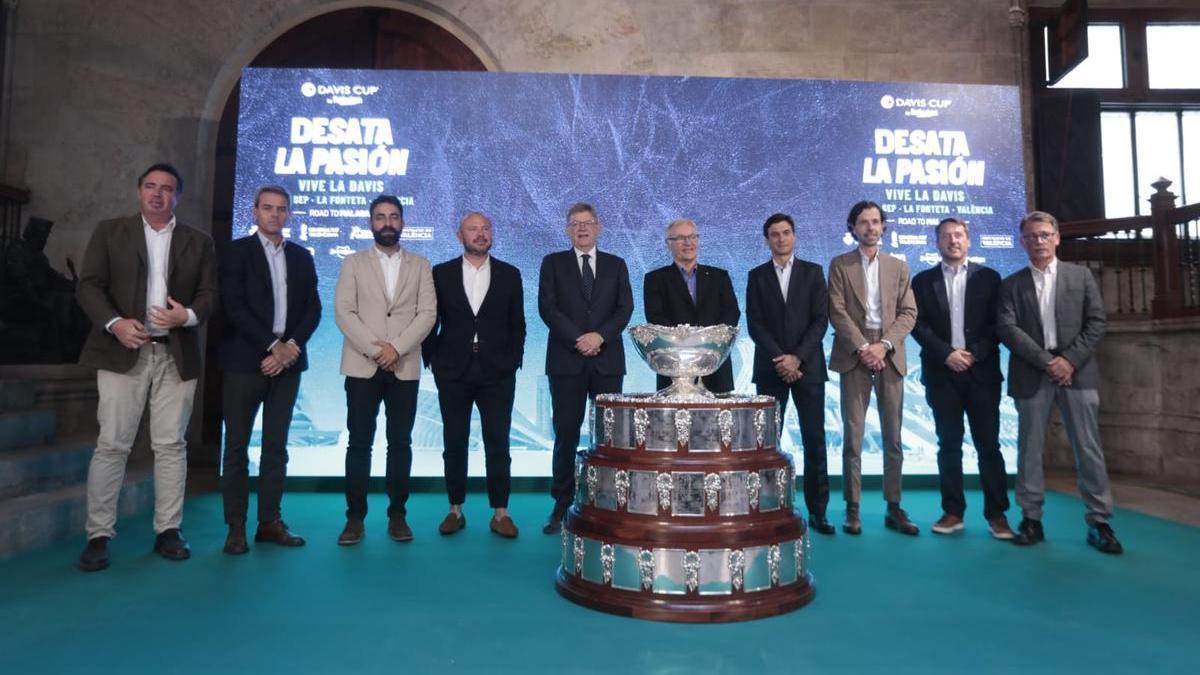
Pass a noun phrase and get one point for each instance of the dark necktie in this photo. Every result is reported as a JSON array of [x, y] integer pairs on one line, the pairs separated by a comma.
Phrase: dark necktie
[[589, 277]]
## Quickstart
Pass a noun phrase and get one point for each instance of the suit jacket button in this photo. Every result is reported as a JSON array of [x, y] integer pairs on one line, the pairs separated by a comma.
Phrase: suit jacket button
[[389, 314]]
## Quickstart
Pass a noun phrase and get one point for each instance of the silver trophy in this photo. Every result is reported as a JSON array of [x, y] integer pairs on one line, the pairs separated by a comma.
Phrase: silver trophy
[[684, 353]]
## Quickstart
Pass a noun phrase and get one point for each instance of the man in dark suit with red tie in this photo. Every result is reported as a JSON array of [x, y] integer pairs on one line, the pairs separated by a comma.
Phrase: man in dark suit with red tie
[[269, 287], [787, 312], [474, 350], [586, 301], [687, 292], [960, 368]]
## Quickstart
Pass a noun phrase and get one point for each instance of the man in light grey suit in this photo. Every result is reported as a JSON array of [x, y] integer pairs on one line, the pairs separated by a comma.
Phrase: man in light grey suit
[[1051, 317], [384, 304]]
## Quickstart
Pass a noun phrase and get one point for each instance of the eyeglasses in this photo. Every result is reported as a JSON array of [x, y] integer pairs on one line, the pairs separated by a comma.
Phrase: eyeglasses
[[583, 223], [684, 238], [1038, 236]]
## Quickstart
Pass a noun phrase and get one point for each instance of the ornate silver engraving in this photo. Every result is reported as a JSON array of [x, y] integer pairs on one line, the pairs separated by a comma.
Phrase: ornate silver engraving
[[646, 568], [566, 537], [778, 424], [691, 570], [579, 480], [712, 490], [578, 555], [641, 422], [622, 487], [760, 421], [683, 426], [609, 420], [737, 568], [773, 559], [626, 399], [664, 481], [593, 479], [725, 423], [591, 424], [606, 562], [784, 479], [754, 483]]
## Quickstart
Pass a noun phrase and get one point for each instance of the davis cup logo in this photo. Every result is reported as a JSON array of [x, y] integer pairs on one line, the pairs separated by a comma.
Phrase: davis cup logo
[[887, 102], [308, 89]]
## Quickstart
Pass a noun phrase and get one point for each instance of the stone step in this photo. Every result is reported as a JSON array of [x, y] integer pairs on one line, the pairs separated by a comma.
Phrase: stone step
[[26, 429], [37, 520], [17, 395], [44, 468]]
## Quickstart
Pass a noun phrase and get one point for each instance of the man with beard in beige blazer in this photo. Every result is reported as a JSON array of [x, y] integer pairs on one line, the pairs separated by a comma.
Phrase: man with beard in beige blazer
[[385, 305], [872, 309]]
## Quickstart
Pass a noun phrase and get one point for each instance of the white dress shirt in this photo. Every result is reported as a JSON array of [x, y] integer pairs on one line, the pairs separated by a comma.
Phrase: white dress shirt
[[476, 281], [1045, 284], [158, 252], [390, 264], [874, 319], [784, 274], [956, 294], [277, 263]]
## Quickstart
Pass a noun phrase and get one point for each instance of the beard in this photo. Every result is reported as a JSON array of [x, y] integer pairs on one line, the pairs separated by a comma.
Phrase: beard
[[386, 237], [477, 249]]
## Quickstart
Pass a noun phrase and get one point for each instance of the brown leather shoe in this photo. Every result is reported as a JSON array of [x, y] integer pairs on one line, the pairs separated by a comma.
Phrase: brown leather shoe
[[452, 523], [398, 529], [504, 527], [948, 524], [1000, 529], [235, 541], [555, 522], [352, 534], [277, 533], [853, 524], [896, 519]]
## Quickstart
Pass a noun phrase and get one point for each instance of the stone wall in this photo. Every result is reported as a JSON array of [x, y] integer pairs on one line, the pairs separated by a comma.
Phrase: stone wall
[[102, 89], [1150, 402]]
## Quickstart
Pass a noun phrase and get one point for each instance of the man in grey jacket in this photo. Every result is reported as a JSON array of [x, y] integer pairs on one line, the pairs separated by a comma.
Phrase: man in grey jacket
[[1051, 316]]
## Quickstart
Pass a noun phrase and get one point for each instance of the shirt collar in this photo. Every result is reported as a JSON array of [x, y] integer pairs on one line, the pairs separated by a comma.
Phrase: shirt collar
[[947, 269], [267, 243], [1051, 269], [867, 261], [487, 263], [579, 253], [168, 229], [780, 268], [383, 256]]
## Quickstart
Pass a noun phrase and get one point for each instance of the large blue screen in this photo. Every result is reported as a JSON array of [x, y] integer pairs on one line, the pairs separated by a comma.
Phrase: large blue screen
[[644, 150]]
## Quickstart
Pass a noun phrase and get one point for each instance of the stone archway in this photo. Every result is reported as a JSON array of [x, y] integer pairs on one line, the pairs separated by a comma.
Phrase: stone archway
[[359, 37]]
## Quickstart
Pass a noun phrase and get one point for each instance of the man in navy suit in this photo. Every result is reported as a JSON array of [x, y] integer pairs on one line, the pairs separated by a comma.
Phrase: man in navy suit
[[474, 350], [787, 312], [960, 368], [585, 299], [271, 308], [687, 292]]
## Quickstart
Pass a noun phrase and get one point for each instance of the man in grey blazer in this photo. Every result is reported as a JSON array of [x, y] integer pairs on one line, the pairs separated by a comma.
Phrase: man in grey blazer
[[872, 310], [1051, 317], [385, 305], [148, 283]]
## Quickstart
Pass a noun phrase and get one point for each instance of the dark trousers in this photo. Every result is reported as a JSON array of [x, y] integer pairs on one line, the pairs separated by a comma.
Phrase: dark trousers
[[950, 395], [399, 398], [493, 394], [810, 412], [243, 394], [569, 395]]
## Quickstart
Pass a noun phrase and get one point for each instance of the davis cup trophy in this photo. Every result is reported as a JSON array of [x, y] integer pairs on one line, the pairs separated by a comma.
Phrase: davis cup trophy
[[683, 507]]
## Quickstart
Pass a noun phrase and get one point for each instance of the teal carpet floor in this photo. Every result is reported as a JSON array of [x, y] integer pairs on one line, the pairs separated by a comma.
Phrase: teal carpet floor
[[475, 603]]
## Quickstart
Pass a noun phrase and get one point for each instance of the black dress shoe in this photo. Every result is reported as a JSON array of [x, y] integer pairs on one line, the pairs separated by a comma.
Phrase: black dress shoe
[[277, 533], [95, 555], [820, 524], [555, 522], [1029, 532], [171, 545], [235, 541], [1101, 537], [896, 519]]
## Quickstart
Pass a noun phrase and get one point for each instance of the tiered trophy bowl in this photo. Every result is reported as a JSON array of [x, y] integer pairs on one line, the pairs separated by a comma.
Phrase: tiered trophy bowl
[[683, 507]]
